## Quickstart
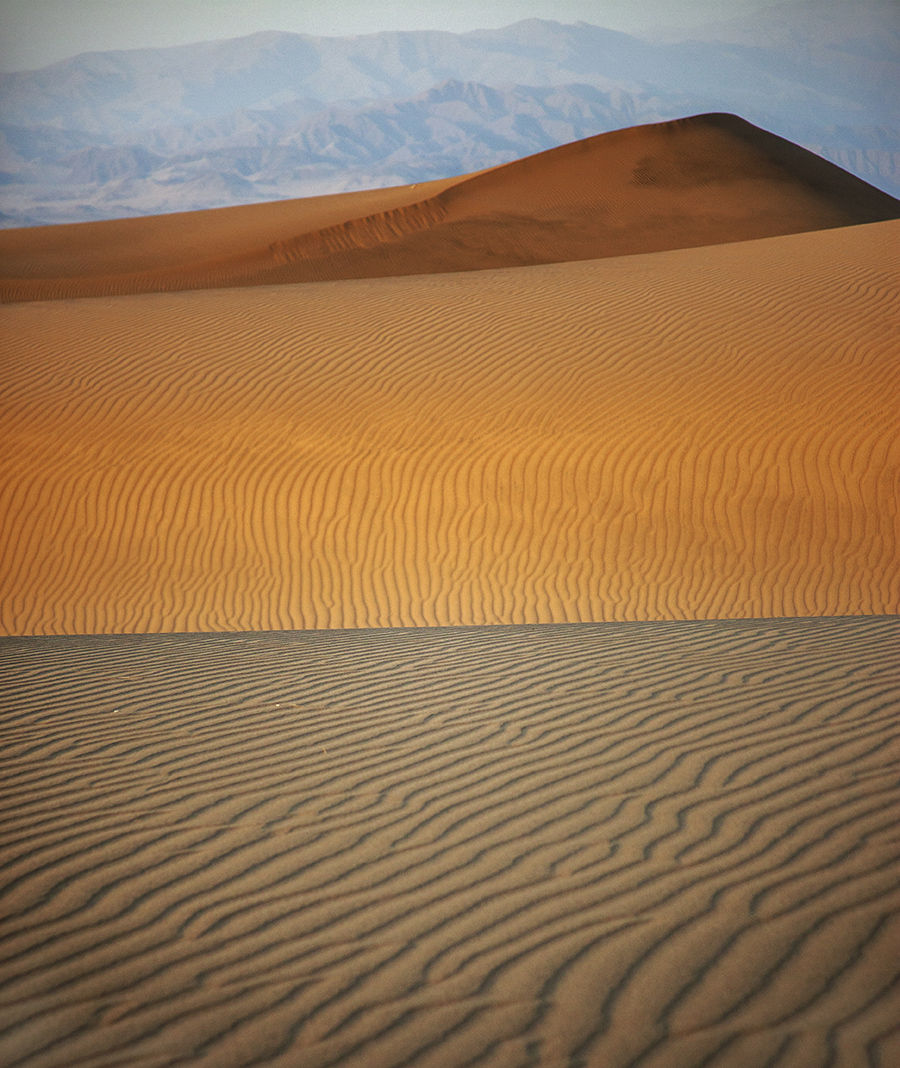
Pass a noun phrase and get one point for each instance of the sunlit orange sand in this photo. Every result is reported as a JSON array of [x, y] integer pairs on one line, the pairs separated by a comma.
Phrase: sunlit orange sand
[[702, 433], [596, 845]]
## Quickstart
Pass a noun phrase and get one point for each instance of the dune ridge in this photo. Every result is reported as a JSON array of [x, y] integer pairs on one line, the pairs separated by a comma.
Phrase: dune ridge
[[543, 444], [702, 180], [667, 844], [156, 242]]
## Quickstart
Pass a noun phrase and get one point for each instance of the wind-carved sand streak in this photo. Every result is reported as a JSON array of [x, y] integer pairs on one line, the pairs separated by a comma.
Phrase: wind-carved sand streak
[[661, 844], [703, 433]]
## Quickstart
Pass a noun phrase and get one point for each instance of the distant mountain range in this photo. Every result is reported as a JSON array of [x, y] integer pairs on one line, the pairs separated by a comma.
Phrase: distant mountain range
[[275, 115]]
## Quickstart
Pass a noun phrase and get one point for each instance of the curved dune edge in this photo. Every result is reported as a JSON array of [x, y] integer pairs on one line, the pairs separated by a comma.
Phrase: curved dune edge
[[155, 242], [667, 844], [686, 435], [704, 180]]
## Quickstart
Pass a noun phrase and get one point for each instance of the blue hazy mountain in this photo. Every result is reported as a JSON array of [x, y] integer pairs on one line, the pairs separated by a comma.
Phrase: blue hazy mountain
[[276, 115]]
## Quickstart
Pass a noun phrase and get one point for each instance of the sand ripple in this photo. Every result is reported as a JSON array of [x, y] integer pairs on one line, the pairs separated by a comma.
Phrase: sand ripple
[[605, 845], [702, 433]]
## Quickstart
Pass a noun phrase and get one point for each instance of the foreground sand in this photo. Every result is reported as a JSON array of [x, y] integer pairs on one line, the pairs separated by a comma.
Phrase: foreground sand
[[670, 845], [702, 433]]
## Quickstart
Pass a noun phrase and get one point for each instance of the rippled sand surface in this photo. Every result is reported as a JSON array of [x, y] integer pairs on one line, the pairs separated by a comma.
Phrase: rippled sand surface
[[701, 433], [665, 844]]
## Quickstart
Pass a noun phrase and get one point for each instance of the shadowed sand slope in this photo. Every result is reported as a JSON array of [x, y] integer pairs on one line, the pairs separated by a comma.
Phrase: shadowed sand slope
[[605, 845], [702, 433], [699, 181]]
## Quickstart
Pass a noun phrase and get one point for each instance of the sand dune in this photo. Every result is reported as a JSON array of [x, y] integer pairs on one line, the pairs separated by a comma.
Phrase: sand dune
[[702, 433], [670, 845], [699, 181], [668, 842]]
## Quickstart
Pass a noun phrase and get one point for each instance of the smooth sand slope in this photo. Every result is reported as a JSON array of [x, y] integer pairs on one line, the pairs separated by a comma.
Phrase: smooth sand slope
[[160, 242], [704, 180], [703, 433], [668, 845]]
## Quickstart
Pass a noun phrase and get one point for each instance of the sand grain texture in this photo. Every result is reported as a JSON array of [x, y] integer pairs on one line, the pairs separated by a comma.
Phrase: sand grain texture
[[667, 845], [701, 433]]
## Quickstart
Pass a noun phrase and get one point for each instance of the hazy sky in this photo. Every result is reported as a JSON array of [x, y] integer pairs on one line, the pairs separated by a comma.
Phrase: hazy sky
[[34, 33]]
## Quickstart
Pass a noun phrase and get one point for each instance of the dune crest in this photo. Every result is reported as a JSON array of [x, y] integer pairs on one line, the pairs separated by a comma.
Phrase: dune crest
[[691, 434], [704, 180]]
